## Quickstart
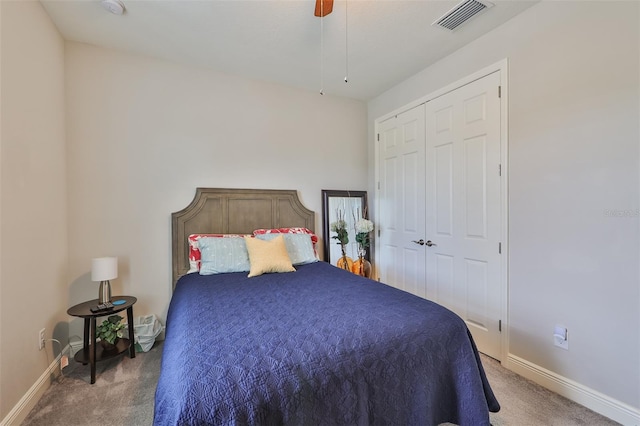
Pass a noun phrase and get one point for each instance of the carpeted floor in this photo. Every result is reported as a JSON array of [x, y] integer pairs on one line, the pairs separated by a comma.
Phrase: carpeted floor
[[524, 403], [122, 394], [124, 390]]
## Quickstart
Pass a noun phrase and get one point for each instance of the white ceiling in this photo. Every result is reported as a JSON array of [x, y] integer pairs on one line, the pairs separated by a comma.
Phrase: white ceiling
[[280, 40]]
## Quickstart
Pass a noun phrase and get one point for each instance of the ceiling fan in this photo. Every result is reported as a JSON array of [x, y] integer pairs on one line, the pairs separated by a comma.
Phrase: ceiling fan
[[323, 8]]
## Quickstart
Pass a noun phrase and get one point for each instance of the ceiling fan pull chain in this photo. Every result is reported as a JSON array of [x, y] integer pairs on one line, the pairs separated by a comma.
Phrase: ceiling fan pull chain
[[346, 44], [321, 47]]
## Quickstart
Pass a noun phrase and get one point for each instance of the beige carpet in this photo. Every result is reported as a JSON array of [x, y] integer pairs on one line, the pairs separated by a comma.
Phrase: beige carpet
[[124, 390], [524, 403]]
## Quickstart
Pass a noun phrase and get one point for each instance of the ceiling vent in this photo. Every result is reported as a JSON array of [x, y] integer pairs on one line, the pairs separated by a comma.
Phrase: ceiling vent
[[461, 13]]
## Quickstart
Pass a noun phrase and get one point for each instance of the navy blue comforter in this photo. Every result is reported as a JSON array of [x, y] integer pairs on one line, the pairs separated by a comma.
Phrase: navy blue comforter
[[319, 346]]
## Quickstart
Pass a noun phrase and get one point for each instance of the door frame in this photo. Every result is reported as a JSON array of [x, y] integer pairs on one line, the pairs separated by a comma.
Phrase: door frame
[[503, 68]]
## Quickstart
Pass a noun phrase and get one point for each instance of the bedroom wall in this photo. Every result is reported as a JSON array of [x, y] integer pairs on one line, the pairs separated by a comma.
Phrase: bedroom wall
[[574, 168], [144, 133], [33, 200]]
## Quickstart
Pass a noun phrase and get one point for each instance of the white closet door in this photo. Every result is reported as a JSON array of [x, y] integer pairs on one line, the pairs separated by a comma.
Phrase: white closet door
[[463, 219], [402, 201]]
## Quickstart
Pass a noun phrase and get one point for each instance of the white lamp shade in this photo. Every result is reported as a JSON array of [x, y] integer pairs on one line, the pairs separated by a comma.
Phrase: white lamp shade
[[104, 268]]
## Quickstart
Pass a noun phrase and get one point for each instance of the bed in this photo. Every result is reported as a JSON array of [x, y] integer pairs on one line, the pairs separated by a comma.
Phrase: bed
[[317, 346]]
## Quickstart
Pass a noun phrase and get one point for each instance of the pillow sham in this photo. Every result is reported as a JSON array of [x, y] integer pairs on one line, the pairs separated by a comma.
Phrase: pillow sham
[[267, 256], [291, 230], [194, 250], [223, 255], [299, 247]]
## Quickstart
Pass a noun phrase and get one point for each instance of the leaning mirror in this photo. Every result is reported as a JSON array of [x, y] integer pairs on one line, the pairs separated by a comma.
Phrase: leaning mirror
[[348, 206]]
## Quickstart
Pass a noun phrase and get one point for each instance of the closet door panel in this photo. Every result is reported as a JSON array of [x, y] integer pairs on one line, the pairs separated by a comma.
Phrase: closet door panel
[[401, 221]]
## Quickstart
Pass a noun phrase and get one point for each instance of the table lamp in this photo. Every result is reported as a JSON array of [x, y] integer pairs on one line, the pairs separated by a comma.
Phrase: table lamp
[[104, 269]]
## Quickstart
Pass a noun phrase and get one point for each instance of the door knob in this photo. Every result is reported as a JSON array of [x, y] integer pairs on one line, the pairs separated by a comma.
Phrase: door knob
[[422, 242]]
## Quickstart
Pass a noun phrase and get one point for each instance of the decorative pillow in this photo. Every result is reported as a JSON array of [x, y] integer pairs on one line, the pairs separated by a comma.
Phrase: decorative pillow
[[268, 256], [298, 230], [298, 246], [223, 255], [194, 251]]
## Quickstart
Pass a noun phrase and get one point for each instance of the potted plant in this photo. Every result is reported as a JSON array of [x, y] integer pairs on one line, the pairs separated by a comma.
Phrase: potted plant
[[109, 331]]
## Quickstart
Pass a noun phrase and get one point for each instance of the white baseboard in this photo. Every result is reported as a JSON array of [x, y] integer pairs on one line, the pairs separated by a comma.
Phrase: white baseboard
[[20, 411], [593, 400]]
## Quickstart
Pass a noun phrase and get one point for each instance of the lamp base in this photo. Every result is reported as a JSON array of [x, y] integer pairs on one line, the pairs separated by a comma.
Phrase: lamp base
[[104, 292]]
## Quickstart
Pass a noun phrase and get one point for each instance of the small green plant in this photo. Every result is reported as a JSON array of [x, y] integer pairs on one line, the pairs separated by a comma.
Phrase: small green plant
[[109, 330]]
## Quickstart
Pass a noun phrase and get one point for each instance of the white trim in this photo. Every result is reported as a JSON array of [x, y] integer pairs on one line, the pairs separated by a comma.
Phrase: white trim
[[502, 67], [376, 185], [592, 399], [498, 66], [21, 410]]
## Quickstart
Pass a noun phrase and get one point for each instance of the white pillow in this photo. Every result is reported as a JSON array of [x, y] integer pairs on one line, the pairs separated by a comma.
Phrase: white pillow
[[299, 247], [223, 255]]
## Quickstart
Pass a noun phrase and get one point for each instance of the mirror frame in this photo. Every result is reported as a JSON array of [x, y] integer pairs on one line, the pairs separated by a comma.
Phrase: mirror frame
[[326, 233]]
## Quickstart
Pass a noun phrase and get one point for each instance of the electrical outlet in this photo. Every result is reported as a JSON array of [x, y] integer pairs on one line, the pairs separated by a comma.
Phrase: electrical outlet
[[41, 339], [561, 337]]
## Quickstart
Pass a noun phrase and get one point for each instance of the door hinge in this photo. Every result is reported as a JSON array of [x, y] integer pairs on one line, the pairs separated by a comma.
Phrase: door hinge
[[378, 137], [378, 185], [378, 232], [499, 248], [499, 169], [500, 326], [499, 91]]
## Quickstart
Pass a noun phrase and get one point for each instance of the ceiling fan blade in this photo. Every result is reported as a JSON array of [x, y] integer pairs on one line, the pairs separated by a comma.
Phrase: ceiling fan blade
[[323, 7]]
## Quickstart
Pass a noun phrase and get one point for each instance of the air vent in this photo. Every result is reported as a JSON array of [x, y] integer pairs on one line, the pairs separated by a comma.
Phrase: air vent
[[461, 13]]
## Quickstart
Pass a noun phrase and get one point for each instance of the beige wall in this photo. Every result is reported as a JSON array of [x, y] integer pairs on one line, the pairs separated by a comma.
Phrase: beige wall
[[112, 144], [144, 133], [33, 219], [573, 156]]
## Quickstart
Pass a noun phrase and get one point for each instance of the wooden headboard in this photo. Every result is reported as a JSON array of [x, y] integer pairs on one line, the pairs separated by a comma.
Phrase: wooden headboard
[[233, 211]]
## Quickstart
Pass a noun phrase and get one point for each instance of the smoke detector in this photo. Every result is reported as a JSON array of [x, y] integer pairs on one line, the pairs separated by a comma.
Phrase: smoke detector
[[114, 6], [461, 13]]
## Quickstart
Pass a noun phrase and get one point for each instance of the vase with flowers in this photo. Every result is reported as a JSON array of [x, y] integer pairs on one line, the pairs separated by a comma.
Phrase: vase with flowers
[[363, 228], [342, 236]]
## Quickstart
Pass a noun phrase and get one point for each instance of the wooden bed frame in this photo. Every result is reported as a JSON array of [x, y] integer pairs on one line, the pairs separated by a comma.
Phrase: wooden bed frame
[[233, 211]]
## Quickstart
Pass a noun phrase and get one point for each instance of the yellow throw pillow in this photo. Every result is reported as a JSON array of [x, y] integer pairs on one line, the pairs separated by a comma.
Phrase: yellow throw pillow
[[268, 256]]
